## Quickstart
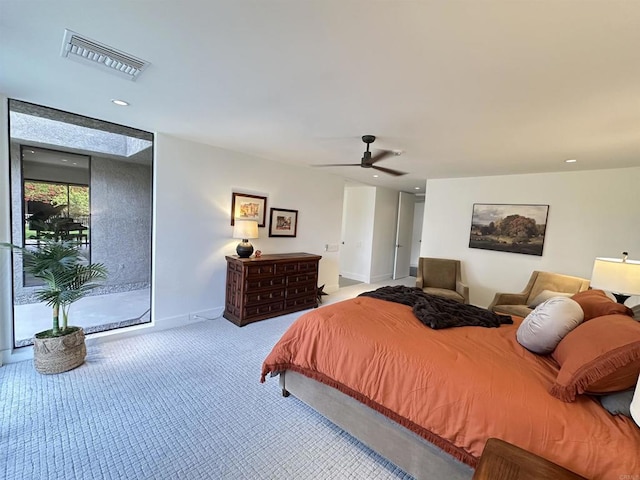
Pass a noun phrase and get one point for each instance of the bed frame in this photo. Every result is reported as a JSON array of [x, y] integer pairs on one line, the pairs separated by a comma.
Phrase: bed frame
[[402, 447]]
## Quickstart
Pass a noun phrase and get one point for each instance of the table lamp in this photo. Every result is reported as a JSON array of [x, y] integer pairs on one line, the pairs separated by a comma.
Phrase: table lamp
[[621, 277], [245, 229]]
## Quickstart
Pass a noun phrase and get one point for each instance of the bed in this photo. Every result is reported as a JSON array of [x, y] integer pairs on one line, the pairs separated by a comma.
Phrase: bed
[[428, 399]]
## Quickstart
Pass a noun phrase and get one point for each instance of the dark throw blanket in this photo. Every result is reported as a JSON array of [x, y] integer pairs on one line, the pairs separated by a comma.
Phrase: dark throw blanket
[[437, 312]]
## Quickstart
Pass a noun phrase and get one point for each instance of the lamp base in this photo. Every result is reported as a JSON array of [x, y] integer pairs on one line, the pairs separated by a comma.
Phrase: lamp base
[[244, 249], [620, 297]]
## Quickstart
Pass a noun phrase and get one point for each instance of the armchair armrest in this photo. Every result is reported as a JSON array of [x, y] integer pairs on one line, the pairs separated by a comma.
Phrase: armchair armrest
[[508, 299], [463, 289]]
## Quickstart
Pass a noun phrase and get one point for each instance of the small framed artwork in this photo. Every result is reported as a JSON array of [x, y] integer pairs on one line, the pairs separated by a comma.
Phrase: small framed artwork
[[283, 223], [248, 207], [509, 228]]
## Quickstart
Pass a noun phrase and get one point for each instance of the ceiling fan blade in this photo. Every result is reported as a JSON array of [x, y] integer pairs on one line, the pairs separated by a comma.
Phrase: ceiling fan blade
[[395, 173], [382, 154], [338, 165]]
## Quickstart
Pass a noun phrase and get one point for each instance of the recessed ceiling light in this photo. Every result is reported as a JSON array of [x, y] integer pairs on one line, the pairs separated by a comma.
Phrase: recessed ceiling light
[[376, 176], [122, 103], [64, 160], [571, 160], [416, 188]]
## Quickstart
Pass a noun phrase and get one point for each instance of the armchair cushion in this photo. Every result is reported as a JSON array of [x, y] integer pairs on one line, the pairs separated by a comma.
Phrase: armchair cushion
[[519, 303], [443, 292], [546, 295]]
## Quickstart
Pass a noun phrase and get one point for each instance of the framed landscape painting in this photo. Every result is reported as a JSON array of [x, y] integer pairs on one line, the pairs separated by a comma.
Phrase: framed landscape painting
[[283, 223], [248, 207], [509, 228]]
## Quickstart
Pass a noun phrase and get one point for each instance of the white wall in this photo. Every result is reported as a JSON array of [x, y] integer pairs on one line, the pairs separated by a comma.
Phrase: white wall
[[192, 234], [591, 213], [416, 236], [357, 234], [384, 234]]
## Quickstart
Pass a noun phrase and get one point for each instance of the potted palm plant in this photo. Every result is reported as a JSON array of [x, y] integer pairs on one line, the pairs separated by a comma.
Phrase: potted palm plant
[[67, 277]]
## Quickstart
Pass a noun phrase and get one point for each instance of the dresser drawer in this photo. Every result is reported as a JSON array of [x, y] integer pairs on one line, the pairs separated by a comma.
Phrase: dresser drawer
[[293, 280], [287, 268], [304, 301], [264, 309], [307, 267], [261, 270], [309, 289], [263, 296], [262, 283]]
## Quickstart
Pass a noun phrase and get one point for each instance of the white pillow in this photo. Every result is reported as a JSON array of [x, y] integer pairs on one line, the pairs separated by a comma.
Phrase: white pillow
[[542, 329], [635, 405], [545, 295]]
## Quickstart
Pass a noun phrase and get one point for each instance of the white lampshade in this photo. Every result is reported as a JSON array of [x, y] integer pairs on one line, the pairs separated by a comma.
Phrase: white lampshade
[[616, 275], [245, 229]]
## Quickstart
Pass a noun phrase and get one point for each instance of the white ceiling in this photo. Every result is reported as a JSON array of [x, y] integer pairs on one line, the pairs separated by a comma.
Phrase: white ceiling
[[464, 88]]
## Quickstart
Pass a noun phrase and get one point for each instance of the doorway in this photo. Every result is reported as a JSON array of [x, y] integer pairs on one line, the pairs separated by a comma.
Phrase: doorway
[[369, 226]]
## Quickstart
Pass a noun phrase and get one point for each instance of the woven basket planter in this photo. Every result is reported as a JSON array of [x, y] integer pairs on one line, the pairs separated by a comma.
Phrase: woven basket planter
[[59, 354]]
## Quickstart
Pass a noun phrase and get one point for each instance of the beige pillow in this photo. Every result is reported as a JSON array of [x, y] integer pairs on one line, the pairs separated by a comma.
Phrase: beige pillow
[[545, 295]]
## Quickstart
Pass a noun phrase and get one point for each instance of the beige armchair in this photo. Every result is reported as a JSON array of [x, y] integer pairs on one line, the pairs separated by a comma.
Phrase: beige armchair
[[442, 277], [520, 304]]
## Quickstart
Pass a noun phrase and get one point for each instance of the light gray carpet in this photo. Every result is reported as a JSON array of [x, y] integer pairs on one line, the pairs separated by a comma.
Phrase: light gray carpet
[[184, 403]]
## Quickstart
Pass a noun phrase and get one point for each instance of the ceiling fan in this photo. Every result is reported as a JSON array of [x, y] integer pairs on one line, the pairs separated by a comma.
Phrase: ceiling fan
[[368, 160]]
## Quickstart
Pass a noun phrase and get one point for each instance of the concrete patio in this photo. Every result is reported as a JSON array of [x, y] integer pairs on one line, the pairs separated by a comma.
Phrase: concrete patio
[[95, 313]]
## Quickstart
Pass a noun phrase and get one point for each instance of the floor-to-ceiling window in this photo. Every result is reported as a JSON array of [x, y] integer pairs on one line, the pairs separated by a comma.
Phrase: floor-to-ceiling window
[[81, 179]]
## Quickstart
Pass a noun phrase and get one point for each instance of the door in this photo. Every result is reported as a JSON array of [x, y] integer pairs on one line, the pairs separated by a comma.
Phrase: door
[[404, 231]]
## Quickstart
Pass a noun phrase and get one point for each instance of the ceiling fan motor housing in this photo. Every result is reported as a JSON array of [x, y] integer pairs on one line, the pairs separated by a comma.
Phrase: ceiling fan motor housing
[[366, 158]]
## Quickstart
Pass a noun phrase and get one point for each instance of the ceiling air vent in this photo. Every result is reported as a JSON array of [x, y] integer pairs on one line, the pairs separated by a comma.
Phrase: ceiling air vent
[[83, 49]]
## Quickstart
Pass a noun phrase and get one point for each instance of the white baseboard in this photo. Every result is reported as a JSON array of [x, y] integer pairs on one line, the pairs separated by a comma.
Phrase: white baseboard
[[355, 276], [381, 278], [210, 314]]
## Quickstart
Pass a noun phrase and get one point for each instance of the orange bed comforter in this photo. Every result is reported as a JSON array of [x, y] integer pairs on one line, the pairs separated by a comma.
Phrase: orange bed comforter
[[455, 387]]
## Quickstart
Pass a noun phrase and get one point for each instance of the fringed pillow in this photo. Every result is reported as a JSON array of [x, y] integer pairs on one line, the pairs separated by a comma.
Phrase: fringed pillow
[[596, 303], [599, 356]]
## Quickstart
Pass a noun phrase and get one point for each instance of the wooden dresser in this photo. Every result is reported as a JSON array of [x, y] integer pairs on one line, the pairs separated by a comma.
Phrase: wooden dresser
[[272, 285]]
